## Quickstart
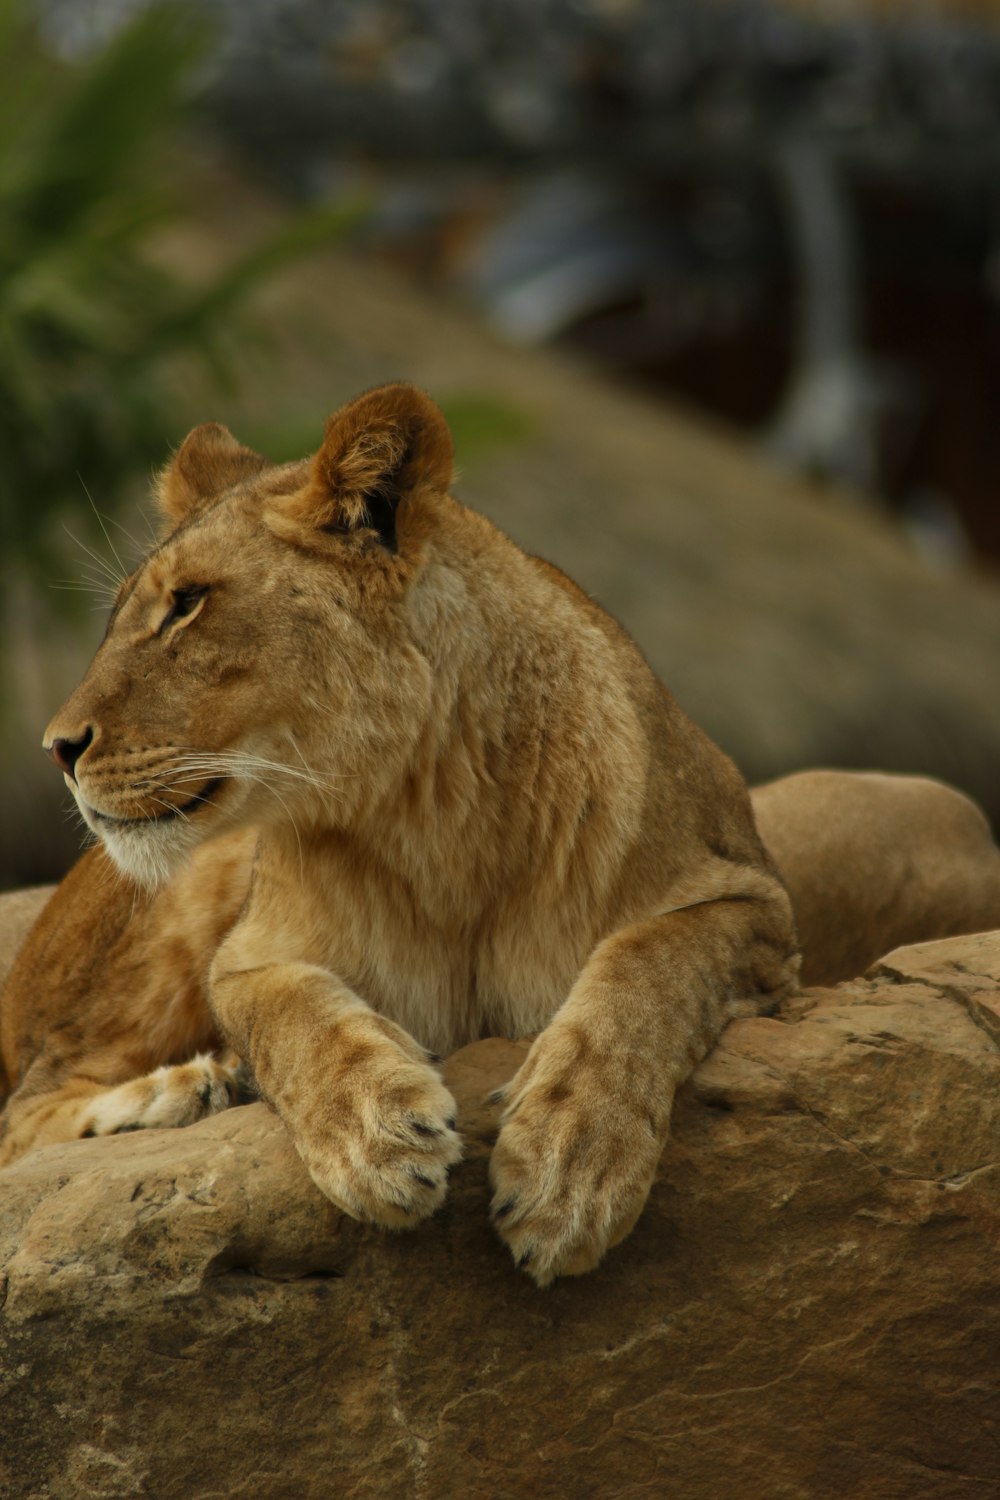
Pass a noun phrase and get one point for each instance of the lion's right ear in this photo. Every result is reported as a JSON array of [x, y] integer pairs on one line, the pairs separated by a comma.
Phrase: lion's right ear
[[208, 462]]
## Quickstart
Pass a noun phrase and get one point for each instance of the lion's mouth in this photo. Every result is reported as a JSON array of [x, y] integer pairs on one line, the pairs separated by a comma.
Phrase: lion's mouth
[[181, 810]]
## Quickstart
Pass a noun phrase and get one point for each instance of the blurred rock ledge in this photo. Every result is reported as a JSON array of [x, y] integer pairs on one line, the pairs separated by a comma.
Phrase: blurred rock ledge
[[808, 1309], [794, 626]]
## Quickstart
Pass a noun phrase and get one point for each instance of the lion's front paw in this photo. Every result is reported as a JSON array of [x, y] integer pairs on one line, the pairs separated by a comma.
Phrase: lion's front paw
[[163, 1099], [571, 1172], [380, 1139]]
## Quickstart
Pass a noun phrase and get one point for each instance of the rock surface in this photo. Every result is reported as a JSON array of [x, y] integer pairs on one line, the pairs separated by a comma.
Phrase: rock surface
[[809, 1308]]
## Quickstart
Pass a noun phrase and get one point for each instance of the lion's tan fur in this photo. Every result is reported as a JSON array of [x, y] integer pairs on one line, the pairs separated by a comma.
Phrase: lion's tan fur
[[873, 862], [870, 861], [472, 808]]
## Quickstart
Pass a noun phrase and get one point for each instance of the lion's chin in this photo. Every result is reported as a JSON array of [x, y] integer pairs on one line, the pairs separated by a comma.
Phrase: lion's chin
[[151, 854], [150, 850]]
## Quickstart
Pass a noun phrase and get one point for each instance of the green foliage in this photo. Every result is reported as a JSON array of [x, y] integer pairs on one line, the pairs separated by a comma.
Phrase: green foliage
[[87, 316], [482, 422]]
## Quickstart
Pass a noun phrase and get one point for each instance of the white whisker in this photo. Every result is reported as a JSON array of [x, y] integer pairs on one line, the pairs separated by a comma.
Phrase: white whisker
[[140, 548], [107, 535], [294, 744], [242, 763], [154, 534], [177, 811], [115, 579], [85, 586], [209, 767]]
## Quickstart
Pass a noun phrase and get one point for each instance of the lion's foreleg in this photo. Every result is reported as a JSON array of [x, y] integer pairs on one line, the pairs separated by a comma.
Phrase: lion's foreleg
[[588, 1113], [368, 1114]]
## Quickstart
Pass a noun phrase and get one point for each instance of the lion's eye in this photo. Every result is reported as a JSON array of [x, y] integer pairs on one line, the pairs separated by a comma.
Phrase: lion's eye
[[183, 604]]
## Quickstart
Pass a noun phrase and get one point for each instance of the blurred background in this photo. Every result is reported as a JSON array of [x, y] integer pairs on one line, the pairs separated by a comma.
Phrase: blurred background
[[709, 290]]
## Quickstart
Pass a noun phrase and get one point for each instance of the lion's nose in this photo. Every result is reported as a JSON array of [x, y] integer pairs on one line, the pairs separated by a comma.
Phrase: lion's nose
[[66, 753]]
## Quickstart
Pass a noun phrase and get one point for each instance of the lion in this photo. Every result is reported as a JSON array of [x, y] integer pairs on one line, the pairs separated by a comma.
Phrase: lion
[[369, 783]]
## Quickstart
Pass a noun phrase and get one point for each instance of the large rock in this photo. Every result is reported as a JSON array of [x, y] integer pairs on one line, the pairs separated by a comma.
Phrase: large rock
[[808, 1310]]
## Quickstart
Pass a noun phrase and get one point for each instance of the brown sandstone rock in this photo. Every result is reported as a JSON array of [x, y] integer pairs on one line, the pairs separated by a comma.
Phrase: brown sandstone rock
[[809, 1308]]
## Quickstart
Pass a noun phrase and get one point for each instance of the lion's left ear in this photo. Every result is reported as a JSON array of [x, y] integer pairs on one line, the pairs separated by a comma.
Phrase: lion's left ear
[[208, 462], [377, 449]]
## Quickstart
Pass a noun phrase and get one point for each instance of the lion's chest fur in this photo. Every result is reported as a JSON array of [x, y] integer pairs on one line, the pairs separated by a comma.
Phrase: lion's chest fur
[[527, 820], [451, 948]]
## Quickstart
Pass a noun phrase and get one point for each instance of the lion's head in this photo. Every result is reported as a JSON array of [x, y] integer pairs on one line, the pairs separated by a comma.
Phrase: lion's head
[[261, 661]]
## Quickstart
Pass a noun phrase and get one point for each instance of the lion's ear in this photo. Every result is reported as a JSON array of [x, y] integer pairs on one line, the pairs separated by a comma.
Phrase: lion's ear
[[377, 448], [208, 462]]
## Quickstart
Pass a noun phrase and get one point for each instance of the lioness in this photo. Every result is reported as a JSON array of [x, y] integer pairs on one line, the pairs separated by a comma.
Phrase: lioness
[[477, 811], [470, 809]]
